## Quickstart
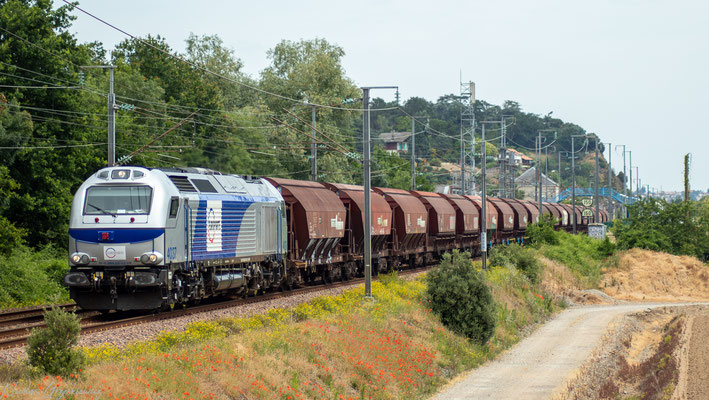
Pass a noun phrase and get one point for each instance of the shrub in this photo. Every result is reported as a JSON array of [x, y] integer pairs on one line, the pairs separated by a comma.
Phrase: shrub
[[580, 253], [514, 255], [543, 231], [30, 277], [606, 248], [51, 349], [460, 297]]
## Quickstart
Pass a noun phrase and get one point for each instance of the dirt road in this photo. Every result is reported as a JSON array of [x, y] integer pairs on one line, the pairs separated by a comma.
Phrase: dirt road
[[541, 364], [698, 360]]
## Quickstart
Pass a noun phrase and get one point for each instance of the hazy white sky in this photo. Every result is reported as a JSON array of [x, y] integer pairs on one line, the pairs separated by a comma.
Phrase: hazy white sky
[[633, 71]]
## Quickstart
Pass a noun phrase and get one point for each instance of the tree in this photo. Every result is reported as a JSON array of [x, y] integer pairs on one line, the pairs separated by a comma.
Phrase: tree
[[675, 227], [311, 71], [47, 174]]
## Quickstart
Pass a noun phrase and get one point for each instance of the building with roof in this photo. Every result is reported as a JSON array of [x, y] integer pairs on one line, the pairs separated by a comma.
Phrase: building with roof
[[527, 182], [520, 159], [395, 142]]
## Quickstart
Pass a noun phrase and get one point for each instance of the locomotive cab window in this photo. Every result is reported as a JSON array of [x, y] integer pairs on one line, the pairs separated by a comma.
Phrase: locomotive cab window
[[174, 206], [115, 200]]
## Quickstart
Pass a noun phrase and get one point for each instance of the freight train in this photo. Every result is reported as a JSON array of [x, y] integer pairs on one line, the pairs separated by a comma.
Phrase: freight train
[[151, 239]]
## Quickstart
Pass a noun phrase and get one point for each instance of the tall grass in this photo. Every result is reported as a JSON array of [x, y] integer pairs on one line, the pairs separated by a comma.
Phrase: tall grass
[[333, 347], [581, 254]]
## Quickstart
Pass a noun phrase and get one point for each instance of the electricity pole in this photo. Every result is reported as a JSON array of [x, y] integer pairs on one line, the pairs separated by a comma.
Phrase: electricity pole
[[625, 179], [539, 158], [367, 189], [413, 153], [630, 182], [313, 153], [483, 197], [637, 181], [573, 178], [611, 206], [111, 159], [595, 197]]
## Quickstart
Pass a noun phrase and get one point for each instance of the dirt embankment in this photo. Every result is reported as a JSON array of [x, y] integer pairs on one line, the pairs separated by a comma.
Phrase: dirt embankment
[[658, 353], [643, 275]]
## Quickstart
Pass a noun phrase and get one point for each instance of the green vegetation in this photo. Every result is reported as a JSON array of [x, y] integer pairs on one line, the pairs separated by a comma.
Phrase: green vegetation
[[390, 348], [543, 231], [237, 129], [29, 277], [583, 255], [51, 349], [522, 258], [679, 227], [459, 296]]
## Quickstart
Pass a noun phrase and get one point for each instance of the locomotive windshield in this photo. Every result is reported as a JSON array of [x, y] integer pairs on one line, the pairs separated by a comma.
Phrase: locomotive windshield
[[113, 200]]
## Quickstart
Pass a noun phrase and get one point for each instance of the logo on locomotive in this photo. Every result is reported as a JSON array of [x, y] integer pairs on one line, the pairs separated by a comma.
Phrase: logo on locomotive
[[214, 225]]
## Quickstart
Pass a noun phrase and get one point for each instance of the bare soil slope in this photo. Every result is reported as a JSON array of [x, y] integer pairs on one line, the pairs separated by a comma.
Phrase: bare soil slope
[[644, 275]]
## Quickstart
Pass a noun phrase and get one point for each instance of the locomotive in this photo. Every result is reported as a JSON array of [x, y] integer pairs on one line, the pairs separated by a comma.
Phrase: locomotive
[[151, 239]]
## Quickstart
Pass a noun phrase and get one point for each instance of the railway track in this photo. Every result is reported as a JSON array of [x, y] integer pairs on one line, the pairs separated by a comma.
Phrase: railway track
[[16, 325]]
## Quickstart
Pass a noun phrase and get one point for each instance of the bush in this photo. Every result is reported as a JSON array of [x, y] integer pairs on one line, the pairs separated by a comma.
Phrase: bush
[[606, 248], [522, 258], [460, 297], [580, 253], [29, 277], [543, 231], [51, 349]]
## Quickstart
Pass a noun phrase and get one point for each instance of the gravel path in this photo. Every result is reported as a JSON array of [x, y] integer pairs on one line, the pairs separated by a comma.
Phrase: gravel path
[[541, 364], [698, 371]]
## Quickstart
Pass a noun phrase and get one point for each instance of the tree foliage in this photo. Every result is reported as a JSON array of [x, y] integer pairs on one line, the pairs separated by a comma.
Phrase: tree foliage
[[54, 138], [674, 227], [459, 295], [543, 232]]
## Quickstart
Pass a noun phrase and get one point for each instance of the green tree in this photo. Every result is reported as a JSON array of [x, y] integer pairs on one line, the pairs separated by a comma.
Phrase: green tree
[[46, 170], [311, 71], [674, 227], [459, 295]]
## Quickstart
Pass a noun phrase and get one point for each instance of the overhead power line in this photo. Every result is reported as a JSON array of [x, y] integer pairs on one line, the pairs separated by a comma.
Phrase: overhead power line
[[203, 69], [50, 147]]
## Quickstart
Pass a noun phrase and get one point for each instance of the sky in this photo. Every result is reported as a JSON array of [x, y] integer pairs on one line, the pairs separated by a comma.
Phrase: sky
[[636, 72]]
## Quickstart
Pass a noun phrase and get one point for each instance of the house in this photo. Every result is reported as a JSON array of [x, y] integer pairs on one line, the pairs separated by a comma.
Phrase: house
[[520, 158], [395, 142], [527, 182]]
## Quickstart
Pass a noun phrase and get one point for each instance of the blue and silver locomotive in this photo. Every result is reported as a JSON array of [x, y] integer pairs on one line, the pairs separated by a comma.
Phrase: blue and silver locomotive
[[146, 239]]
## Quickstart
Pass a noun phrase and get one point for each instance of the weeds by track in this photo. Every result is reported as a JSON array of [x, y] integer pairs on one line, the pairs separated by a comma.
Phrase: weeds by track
[[15, 325]]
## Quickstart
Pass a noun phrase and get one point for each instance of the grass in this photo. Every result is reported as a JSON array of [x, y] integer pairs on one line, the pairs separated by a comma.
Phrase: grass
[[584, 256], [334, 347]]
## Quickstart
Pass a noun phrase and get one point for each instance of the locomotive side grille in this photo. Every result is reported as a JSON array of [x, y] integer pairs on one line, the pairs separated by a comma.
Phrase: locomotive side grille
[[183, 184]]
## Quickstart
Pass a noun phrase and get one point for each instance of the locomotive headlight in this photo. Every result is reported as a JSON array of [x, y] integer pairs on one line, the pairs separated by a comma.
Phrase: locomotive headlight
[[152, 258], [80, 258]]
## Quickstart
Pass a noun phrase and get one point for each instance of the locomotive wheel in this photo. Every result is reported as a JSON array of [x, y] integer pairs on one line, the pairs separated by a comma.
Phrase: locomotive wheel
[[326, 276]]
